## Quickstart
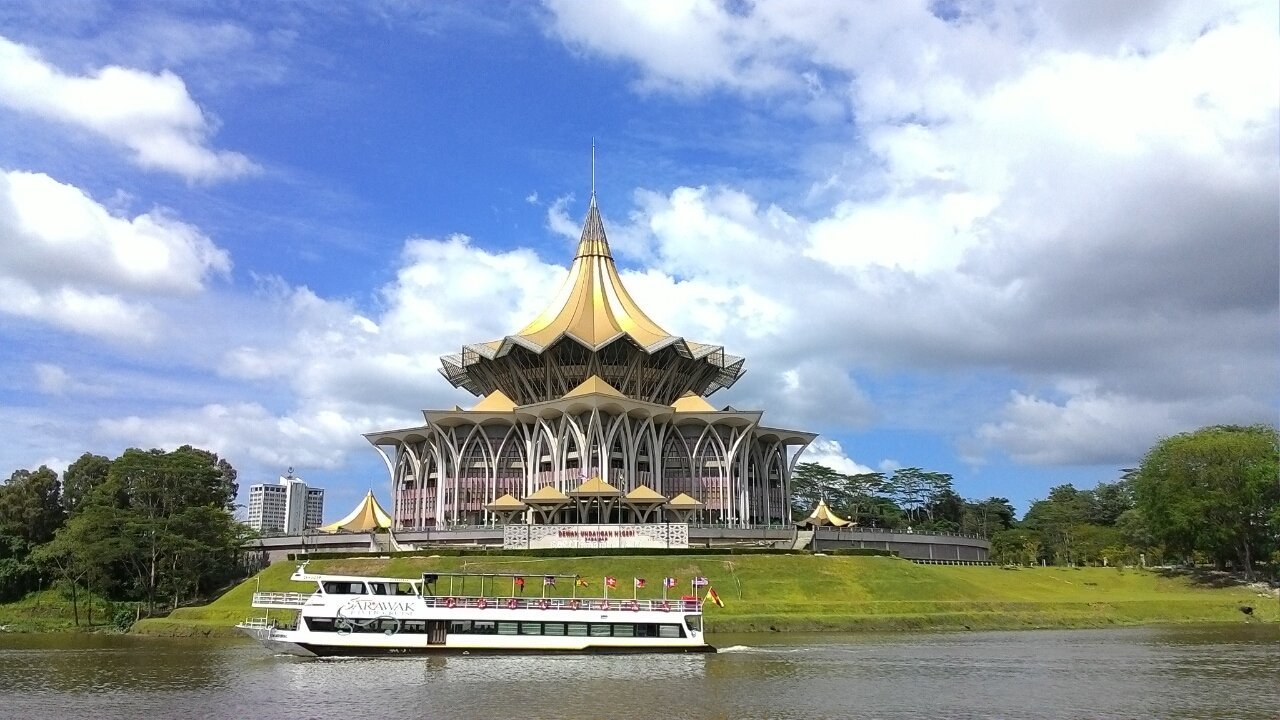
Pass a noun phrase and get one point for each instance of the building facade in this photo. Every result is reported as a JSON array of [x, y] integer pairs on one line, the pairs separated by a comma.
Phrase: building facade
[[289, 507], [592, 389]]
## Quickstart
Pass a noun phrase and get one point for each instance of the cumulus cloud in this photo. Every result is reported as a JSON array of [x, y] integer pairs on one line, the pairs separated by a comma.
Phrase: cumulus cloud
[[151, 114], [1035, 198], [66, 260], [832, 454]]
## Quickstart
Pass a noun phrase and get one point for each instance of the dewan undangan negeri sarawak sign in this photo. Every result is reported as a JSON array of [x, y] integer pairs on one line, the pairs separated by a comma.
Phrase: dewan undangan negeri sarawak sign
[[655, 535]]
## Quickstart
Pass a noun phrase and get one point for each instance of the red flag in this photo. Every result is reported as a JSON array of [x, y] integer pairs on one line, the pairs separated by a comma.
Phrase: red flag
[[639, 582], [712, 597], [611, 581]]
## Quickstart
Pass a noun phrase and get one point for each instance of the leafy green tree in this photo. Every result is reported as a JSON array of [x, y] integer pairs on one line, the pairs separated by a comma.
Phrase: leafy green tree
[[85, 551], [1213, 491], [1016, 546], [1057, 520], [810, 483], [31, 505], [987, 517], [1108, 501], [81, 479]]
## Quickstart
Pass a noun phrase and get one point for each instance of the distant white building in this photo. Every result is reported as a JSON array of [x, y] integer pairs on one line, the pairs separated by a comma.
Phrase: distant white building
[[287, 508]]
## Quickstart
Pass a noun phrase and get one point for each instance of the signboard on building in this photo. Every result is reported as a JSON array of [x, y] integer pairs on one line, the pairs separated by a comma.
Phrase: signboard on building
[[655, 535]]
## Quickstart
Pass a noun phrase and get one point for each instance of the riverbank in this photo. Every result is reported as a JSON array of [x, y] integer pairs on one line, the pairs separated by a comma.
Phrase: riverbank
[[792, 593]]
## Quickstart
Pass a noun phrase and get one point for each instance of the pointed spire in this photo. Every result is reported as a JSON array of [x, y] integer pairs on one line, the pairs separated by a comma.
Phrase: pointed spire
[[593, 240]]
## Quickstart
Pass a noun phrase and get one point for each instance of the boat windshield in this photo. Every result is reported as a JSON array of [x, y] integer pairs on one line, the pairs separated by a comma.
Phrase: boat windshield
[[694, 622]]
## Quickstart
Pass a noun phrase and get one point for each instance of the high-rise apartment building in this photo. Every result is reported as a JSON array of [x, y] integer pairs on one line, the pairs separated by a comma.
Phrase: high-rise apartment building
[[288, 507]]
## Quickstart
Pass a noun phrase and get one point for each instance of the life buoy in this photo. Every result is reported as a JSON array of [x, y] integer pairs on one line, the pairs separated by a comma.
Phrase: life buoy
[[544, 604], [664, 606], [574, 604], [604, 605], [633, 606], [450, 602], [512, 604], [482, 603]]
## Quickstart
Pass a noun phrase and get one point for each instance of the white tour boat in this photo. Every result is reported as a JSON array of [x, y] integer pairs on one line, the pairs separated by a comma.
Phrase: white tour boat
[[355, 615]]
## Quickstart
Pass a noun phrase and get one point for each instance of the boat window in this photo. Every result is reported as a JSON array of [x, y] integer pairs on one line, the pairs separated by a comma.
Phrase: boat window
[[646, 630], [319, 624], [483, 627], [530, 628], [624, 630], [694, 622], [406, 589], [507, 628], [600, 630], [552, 628], [670, 631], [378, 588], [460, 626], [577, 629], [413, 626]]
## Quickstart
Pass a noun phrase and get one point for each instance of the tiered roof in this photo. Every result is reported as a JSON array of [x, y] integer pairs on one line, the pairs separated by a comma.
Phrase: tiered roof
[[594, 312]]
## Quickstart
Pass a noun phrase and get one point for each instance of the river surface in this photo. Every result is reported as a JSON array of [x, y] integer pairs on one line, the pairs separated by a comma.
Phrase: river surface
[[1177, 672]]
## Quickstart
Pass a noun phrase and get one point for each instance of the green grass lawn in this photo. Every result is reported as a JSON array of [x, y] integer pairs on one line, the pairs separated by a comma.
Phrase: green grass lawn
[[50, 610], [805, 592]]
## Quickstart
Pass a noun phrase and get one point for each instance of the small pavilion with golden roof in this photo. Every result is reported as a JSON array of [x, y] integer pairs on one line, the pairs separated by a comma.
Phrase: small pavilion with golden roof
[[592, 412]]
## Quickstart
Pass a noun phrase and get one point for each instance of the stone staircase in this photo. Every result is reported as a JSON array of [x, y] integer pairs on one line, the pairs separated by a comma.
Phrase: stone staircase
[[803, 538]]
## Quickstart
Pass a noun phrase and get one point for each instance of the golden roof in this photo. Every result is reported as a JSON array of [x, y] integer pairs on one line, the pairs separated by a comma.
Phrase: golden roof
[[595, 486], [692, 402], [684, 501], [594, 384], [546, 495], [367, 516], [496, 401], [506, 503], [644, 494], [592, 305], [822, 515]]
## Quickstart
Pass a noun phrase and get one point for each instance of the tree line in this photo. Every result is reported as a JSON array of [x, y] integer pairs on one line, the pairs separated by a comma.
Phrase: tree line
[[1206, 497], [922, 500], [150, 526]]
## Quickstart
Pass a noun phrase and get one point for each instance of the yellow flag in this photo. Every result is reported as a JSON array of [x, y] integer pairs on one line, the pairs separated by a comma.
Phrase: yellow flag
[[712, 597]]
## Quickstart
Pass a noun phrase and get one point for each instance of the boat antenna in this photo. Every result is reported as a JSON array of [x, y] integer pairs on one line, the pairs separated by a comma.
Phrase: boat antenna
[[593, 170]]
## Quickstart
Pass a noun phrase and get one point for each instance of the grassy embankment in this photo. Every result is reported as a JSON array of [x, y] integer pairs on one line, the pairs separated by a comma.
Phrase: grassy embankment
[[805, 593], [50, 611]]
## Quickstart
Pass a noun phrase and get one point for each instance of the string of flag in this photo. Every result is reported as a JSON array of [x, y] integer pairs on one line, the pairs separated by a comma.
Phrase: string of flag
[[637, 583]]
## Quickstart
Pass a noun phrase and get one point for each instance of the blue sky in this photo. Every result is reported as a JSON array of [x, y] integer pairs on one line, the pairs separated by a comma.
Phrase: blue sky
[[1015, 242]]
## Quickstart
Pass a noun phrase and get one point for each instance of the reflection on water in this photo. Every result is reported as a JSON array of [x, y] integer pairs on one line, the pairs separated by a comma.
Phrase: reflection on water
[[1128, 673]]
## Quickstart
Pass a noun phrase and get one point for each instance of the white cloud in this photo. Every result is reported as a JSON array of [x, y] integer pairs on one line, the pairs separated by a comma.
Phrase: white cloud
[[1032, 199], [151, 114], [832, 454], [317, 437], [68, 261], [53, 379]]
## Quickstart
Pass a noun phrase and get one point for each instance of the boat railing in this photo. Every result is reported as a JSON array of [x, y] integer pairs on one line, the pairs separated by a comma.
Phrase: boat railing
[[290, 599], [561, 603], [256, 623], [297, 600]]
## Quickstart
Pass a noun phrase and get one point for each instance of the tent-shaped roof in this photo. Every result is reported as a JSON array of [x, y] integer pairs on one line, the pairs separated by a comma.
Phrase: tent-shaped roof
[[822, 515], [506, 503], [595, 487], [594, 384], [367, 516], [546, 495], [644, 495], [684, 501], [496, 401], [692, 402]]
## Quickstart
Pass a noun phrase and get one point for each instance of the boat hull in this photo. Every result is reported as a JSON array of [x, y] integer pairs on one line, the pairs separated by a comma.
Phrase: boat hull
[[308, 650]]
